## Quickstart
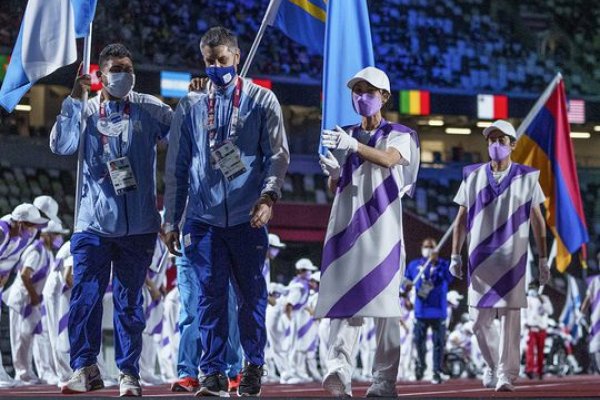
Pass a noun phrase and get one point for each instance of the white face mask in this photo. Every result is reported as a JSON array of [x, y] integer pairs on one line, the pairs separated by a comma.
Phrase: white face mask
[[426, 252], [119, 83]]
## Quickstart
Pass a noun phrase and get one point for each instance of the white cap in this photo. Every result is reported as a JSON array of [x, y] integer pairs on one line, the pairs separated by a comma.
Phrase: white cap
[[503, 126], [316, 276], [27, 213], [306, 264], [274, 241], [372, 75], [454, 297], [275, 287], [55, 227], [48, 206]]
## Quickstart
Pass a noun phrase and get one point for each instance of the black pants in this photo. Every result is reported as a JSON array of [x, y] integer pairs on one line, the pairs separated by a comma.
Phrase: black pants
[[438, 328]]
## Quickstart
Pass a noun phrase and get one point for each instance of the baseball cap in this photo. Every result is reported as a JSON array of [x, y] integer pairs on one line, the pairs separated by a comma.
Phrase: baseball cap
[[274, 241], [503, 126], [374, 76], [316, 276], [48, 206], [306, 264], [28, 213], [55, 227]]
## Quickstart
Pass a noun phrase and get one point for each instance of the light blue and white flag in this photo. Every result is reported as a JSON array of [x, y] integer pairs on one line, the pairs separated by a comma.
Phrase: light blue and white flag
[[45, 43]]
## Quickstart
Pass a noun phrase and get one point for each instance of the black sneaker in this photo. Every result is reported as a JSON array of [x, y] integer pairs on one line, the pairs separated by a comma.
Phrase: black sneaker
[[418, 373], [250, 384], [436, 379], [214, 385]]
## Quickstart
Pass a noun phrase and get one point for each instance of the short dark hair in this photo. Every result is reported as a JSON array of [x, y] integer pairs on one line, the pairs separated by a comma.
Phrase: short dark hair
[[219, 36], [116, 50]]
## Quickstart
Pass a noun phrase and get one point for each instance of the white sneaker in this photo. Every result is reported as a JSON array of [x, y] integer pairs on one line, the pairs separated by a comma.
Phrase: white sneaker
[[382, 388], [84, 380], [334, 384], [504, 385], [129, 386], [489, 378]]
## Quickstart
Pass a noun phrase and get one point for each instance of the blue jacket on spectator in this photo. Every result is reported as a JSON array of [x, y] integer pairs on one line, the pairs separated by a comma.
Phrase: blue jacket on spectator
[[435, 305]]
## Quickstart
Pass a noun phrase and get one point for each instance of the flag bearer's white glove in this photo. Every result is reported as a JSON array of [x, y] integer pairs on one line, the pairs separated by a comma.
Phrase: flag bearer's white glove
[[456, 266], [544, 271], [330, 165], [338, 139]]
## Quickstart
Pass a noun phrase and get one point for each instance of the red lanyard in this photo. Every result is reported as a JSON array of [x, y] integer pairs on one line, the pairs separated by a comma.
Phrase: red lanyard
[[235, 114]]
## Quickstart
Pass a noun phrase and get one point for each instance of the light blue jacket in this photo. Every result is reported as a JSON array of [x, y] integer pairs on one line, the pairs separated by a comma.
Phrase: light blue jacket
[[101, 210], [264, 151]]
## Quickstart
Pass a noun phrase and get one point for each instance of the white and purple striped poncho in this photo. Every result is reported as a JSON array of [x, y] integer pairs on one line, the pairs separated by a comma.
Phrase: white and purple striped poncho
[[498, 215], [594, 292], [363, 254]]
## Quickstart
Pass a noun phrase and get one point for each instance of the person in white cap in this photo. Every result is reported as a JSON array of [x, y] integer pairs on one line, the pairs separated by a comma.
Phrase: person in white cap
[[275, 245], [17, 231], [497, 201], [312, 335], [24, 299], [278, 334], [370, 165], [48, 206]]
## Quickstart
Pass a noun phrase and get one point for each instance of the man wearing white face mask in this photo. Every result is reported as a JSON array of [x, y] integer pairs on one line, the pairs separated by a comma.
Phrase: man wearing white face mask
[[118, 220], [431, 306], [498, 200]]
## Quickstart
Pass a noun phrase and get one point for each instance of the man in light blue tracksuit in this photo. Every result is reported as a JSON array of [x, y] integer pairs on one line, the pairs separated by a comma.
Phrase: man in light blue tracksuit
[[228, 152], [118, 220]]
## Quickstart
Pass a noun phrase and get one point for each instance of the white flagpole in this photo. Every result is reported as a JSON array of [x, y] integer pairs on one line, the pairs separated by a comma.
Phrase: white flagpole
[[87, 50], [267, 20], [538, 104]]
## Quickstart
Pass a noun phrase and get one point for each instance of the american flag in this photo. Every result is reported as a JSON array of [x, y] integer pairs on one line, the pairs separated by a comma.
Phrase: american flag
[[576, 113]]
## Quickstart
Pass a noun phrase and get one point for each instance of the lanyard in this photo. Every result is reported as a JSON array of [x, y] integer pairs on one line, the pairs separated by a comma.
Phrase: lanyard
[[235, 114], [125, 137]]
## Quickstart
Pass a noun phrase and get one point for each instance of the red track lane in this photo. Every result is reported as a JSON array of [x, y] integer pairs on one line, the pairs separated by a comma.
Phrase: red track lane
[[567, 387]]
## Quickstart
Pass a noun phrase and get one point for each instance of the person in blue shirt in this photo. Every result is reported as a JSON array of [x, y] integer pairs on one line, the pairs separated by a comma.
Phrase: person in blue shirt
[[228, 154], [118, 221], [430, 306]]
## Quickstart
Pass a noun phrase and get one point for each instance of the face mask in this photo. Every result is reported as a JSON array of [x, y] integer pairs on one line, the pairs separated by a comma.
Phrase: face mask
[[119, 83], [305, 275], [221, 76], [57, 242], [366, 104], [532, 293], [27, 232], [273, 252], [426, 252], [498, 152]]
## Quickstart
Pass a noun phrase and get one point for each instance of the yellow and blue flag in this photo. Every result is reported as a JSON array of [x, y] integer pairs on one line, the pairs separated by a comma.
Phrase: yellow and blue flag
[[302, 21], [545, 143]]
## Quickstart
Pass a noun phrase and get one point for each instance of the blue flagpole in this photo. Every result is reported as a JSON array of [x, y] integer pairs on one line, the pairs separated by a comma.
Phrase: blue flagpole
[[87, 50]]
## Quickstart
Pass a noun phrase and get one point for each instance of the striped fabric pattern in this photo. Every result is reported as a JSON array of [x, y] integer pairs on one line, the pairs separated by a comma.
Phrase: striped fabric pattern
[[498, 216], [594, 293], [363, 254]]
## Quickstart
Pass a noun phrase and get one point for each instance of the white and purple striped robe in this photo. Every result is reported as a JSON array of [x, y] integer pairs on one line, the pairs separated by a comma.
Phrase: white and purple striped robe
[[363, 254], [594, 293], [498, 215]]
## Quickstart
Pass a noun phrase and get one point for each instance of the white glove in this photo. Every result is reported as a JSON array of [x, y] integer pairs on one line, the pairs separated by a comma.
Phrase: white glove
[[338, 140], [456, 266], [330, 165], [544, 270]]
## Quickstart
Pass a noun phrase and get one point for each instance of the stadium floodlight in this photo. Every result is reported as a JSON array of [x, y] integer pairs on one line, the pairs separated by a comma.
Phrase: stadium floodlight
[[435, 122], [458, 131], [23, 107], [580, 135], [484, 124]]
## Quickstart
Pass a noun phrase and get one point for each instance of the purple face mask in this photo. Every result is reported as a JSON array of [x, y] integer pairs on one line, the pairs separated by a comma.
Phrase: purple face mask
[[366, 104], [498, 152]]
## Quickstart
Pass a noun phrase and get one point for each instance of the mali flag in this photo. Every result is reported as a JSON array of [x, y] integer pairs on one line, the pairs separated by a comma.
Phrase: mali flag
[[545, 143]]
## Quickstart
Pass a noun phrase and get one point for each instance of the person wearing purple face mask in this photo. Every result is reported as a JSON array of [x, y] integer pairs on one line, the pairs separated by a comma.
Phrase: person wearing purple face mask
[[498, 200], [370, 165]]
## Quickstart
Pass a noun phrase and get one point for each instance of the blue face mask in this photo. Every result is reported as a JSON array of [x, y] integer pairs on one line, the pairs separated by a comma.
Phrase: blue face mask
[[221, 76]]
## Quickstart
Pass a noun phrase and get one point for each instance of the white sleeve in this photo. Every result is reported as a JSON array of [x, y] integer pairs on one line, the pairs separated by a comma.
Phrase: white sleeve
[[461, 195], [31, 258], [401, 142], [538, 194]]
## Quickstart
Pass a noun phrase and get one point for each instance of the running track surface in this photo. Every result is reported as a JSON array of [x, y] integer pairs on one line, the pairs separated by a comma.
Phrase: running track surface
[[566, 387]]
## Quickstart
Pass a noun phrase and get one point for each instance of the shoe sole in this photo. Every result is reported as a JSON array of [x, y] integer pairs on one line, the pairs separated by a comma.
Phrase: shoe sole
[[334, 385], [204, 392], [130, 393], [248, 394], [505, 388], [184, 389], [95, 385]]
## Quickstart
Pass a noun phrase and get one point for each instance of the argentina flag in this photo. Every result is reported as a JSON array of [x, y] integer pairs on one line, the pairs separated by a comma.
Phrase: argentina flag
[[46, 42]]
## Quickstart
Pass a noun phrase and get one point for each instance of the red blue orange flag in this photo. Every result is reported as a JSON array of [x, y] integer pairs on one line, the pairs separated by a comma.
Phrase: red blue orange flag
[[545, 143]]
